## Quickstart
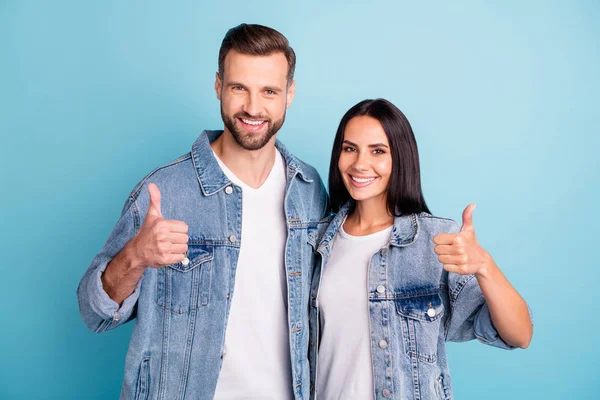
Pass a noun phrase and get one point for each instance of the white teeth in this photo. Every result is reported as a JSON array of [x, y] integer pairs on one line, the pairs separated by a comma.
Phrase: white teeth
[[252, 122], [360, 180]]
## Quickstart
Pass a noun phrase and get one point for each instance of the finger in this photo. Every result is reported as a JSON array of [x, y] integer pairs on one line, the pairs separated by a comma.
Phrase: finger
[[451, 268], [154, 207], [457, 269], [176, 226], [450, 259], [179, 248], [448, 249], [172, 259], [444, 238], [467, 218], [176, 238]]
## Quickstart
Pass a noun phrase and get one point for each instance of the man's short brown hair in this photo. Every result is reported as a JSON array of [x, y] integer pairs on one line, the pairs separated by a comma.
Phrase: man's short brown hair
[[257, 40]]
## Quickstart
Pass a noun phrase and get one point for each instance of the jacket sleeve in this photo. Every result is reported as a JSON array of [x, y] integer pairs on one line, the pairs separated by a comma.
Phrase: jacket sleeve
[[469, 313], [98, 311]]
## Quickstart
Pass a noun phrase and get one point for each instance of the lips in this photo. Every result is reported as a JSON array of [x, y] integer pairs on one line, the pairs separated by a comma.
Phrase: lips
[[252, 125], [360, 181]]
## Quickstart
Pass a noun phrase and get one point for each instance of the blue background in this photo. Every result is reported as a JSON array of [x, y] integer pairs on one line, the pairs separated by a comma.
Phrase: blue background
[[503, 99]]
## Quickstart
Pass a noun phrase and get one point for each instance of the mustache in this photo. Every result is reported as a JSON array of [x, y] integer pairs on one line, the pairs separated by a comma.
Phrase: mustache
[[244, 114]]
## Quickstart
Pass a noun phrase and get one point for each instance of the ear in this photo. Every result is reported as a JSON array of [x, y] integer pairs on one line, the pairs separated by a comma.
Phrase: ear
[[291, 92], [218, 85]]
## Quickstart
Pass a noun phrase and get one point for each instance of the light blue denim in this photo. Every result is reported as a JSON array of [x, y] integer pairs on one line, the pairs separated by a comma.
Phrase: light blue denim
[[181, 311], [415, 306]]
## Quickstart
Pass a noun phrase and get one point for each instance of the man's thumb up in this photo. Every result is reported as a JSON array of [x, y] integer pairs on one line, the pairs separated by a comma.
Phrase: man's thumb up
[[154, 207]]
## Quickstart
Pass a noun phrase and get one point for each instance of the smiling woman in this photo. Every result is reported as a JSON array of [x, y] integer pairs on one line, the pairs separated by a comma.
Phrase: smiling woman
[[395, 283], [371, 136]]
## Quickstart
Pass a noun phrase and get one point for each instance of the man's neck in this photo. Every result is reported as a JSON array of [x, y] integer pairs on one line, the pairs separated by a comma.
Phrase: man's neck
[[250, 166]]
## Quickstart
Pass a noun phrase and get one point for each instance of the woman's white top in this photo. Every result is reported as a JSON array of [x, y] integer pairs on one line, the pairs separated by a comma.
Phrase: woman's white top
[[344, 365]]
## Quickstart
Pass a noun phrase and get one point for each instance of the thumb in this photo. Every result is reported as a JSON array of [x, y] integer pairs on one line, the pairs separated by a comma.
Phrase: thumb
[[467, 218], [154, 207]]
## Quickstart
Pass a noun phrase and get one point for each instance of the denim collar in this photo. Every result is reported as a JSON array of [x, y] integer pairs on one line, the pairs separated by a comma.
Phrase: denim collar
[[404, 232], [212, 178]]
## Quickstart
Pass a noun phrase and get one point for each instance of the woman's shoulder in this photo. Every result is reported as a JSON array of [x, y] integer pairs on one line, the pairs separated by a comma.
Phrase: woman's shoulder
[[435, 224]]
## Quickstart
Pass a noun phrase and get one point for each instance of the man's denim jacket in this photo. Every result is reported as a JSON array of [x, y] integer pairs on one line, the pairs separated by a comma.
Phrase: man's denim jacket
[[415, 306], [181, 310]]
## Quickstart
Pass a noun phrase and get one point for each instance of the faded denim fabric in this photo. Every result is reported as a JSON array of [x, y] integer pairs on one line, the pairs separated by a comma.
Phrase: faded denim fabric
[[415, 306], [181, 311]]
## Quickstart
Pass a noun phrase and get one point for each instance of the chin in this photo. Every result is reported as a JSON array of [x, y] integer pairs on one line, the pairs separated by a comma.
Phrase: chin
[[360, 196]]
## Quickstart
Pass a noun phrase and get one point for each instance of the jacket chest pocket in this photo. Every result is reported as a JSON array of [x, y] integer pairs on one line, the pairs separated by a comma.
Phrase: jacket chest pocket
[[182, 288], [420, 320]]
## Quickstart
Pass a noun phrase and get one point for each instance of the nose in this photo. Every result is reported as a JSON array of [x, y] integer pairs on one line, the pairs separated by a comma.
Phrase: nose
[[361, 162], [253, 104]]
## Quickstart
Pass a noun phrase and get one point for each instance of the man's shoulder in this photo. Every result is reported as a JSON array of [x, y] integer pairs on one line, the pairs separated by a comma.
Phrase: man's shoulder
[[166, 175], [307, 171]]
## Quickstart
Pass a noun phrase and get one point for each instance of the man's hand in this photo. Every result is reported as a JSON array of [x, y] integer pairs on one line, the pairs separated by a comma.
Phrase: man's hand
[[160, 241], [461, 252]]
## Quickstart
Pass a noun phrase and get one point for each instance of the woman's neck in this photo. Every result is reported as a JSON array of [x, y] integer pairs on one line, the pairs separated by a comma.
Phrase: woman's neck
[[369, 216]]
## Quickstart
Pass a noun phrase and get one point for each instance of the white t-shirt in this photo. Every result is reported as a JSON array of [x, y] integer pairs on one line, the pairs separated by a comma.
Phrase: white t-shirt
[[256, 363], [345, 368]]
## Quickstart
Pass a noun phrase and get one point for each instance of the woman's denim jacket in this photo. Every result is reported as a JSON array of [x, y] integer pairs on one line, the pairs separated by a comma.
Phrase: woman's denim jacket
[[415, 306], [181, 310]]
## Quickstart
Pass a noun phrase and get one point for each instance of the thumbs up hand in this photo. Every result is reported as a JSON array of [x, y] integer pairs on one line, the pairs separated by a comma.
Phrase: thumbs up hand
[[461, 252], [159, 242]]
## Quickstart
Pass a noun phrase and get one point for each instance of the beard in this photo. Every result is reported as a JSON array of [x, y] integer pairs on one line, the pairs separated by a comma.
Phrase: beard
[[251, 140]]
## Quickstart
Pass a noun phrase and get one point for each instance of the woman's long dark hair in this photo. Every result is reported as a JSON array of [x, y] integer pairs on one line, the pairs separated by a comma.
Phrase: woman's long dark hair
[[404, 193]]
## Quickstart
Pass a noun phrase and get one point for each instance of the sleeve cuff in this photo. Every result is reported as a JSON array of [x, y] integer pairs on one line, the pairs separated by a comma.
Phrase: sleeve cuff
[[106, 307], [486, 332]]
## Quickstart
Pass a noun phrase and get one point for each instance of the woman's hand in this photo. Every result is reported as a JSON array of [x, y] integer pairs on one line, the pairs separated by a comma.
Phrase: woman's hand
[[461, 252]]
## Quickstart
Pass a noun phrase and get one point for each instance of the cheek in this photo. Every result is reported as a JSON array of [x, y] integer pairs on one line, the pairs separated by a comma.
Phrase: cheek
[[230, 101], [276, 108], [384, 168], [343, 163]]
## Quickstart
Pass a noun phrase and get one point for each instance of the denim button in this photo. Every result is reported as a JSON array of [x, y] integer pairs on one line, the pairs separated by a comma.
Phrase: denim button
[[384, 251], [185, 262], [116, 316], [232, 238], [380, 289], [431, 313], [228, 190], [383, 344], [386, 393]]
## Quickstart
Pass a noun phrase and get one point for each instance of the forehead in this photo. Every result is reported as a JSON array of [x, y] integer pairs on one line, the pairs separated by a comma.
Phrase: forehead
[[255, 70], [365, 130]]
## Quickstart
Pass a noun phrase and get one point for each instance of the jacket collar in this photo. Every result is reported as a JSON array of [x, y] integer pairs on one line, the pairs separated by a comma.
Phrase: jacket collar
[[404, 232], [212, 178]]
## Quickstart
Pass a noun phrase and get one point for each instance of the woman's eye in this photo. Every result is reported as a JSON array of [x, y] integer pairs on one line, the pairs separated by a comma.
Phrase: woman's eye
[[378, 151], [348, 149]]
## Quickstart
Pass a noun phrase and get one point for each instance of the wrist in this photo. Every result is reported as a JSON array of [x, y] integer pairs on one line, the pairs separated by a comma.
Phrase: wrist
[[488, 267], [131, 257], [122, 274]]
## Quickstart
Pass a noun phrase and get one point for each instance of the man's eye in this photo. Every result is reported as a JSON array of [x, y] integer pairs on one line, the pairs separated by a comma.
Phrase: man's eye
[[238, 88], [269, 92]]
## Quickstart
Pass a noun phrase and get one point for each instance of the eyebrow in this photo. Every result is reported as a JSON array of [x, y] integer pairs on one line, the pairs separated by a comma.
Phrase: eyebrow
[[272, 88], [371, 145]]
